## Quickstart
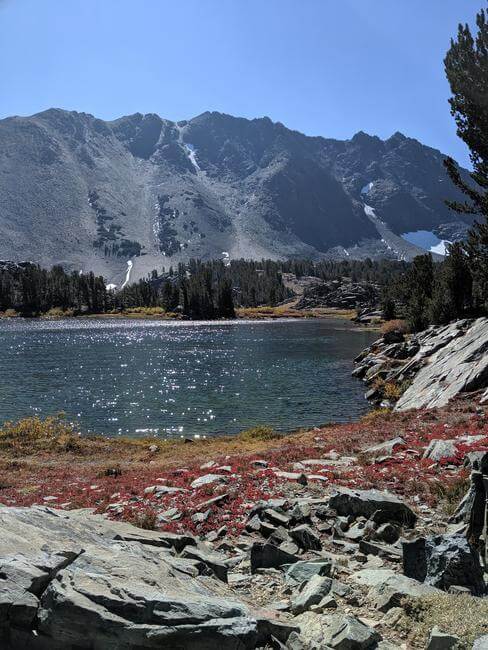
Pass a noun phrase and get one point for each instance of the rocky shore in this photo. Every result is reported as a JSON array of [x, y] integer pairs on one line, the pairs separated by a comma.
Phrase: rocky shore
[[428, 369]]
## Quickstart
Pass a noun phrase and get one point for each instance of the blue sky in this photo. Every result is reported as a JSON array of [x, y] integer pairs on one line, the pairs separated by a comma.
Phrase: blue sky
[[324, 67]]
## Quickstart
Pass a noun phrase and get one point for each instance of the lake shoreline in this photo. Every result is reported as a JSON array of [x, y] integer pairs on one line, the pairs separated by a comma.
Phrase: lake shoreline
[[243, 313]]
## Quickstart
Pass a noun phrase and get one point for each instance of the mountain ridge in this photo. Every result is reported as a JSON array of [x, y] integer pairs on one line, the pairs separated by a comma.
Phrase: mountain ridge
[[93, 194]]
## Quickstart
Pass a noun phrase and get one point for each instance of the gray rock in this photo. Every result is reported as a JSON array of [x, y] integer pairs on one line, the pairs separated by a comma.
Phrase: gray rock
[[208, 479], [279, 536], [389, 588], [302, 571], [266, 556], [214, 563], [438, 449], [276, 518], [388, 552], [444, 561], [299, 477], [441, 641], [452, 360], [314, 590], [329, 602], [296, 642], [305, 537], [82, 581], [348, 633], [366, 502], [385, 448], [289, 547], [300, 514], [481, 643]]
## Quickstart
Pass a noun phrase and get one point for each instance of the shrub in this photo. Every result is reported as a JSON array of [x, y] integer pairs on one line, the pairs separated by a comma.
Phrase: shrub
[[260, 433], [58, 312], [11, 313], [396, 325], [34, 434], [146, 519], [376, 414]]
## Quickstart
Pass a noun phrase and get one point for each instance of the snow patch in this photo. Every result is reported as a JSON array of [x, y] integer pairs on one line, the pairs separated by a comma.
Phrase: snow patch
[[226, 258], [128, 272], [191, 151], [367, 188], [427, 240], [110, 287]]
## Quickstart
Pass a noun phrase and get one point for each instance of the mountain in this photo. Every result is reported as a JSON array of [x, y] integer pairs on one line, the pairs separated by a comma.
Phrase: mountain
[[93, 195]]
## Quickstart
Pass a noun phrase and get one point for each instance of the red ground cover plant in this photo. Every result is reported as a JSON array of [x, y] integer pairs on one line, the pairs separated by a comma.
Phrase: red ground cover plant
[[75, 480]]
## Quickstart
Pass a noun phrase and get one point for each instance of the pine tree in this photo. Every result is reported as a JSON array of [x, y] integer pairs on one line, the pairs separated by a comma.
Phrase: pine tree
[[466, 66]]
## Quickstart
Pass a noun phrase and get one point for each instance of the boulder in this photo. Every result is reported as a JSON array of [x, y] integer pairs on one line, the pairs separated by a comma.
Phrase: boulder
[[313, 592], [74, 579], [438, 449], [302, 571], [385, 448], [481, 643], [444, 561], [388, 552], [348, 633], [305, 537], [214, 563], [366, 502], [208, 479], [267, 556], [389, 588]]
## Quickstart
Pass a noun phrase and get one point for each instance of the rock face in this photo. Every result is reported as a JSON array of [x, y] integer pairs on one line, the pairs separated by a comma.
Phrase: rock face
[[444, 561], [437, 365], [341, 295], [457, 363], [83, 582], [157, 192]]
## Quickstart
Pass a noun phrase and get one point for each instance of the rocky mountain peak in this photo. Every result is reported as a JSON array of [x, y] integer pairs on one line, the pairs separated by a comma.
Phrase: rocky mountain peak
[[92, 194]]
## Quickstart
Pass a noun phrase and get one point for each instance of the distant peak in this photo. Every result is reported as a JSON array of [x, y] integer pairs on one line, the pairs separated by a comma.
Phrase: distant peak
[[398, 136], [361, 136]]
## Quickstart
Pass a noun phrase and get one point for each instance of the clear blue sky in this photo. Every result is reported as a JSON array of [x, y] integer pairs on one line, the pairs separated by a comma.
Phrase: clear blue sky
[[324, 67]]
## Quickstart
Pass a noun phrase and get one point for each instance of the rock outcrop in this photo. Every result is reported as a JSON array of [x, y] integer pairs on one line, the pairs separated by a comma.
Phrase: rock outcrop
[[340, 295], [430, 368], [74, 579]]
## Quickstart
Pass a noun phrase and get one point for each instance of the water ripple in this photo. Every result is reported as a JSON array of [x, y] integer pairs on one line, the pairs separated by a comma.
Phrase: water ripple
[[170, 379]]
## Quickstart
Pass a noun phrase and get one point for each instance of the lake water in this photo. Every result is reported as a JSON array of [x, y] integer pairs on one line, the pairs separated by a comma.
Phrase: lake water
[[181, 379]]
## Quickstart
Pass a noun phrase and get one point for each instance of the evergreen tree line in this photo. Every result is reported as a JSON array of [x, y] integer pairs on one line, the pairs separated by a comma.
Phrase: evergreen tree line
[[435, 293], [30, 290], [198, 290]]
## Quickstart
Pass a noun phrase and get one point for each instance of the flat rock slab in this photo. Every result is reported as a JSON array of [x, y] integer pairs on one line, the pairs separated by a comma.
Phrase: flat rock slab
[[453, 360], [84, 582], [336, 631], [366, 502], [388, 588]]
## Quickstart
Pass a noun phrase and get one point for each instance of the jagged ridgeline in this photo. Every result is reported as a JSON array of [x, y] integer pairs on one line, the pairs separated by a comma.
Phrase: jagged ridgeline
[[92, 195], [196, 290]]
